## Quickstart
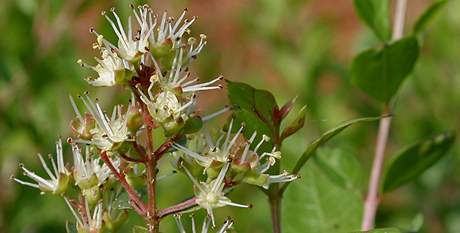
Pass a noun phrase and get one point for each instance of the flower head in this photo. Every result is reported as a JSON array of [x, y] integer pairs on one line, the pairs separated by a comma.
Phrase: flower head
[[109, 132], [58, 178], [210, 195], [219, 151], [245, 154], [88, 171], [111, 69]]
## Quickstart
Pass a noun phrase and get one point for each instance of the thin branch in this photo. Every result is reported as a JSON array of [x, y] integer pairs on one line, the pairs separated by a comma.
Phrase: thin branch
[[137, 204], [177, 208], [165, 147], [372, 199]]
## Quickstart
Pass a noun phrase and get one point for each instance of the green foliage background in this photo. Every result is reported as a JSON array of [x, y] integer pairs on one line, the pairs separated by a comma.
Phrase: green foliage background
[[291, 47]]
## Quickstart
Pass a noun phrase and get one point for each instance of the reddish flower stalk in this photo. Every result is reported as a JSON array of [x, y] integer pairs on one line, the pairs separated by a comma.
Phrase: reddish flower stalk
[[137, 204], [177, 208]]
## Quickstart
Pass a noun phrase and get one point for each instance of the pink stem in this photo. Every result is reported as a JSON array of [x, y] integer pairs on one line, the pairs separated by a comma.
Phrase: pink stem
[[137, 204], [177, 208]]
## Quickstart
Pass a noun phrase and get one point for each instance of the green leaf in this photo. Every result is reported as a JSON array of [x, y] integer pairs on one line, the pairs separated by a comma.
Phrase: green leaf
[[315, 204], [260, 102], [375, 13], [140, 229], [192, 125], [380, 230], [296, 125], [325, 137], [380, 72], [256, 110], [341, 168], [416, 159], [422, 22]]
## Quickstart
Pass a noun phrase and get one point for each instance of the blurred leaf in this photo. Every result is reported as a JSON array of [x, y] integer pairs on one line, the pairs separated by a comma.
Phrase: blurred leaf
[[417, 223], [71, 227], [413, 161], [139, 229], [427, 16], [296, 125], [314, 204], [340, 167], [380, 72], [325, 137], [381, 230], [375, 14]]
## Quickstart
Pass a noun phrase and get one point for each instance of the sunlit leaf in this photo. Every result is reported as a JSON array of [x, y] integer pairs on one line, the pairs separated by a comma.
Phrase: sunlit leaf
[[416, 159]]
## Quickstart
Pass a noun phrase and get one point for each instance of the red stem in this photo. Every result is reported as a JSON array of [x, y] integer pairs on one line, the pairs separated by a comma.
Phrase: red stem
[[177, 208], [137, 204]]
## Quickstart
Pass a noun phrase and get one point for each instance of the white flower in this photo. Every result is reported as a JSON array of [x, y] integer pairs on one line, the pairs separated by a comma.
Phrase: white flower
[[211, 195], [129, 47], [240, 153], [91, 223], [204, 228], [178, 78], [89, 172], [261, 163], [110, 69], [213, 151], [108, 131], [169, 29], [58, 178], [166, 106]]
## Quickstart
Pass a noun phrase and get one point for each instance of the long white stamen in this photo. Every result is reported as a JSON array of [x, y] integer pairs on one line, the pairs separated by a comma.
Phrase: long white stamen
[[48, 171], [246, 149]]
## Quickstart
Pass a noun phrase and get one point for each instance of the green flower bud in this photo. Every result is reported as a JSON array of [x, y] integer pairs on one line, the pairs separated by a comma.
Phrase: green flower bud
[[63, 184], [135, 120], [93, 195], [256, 178], [114, 223]]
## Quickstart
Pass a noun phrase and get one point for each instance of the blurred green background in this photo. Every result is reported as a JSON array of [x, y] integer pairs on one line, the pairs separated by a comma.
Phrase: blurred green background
[[290, 47]]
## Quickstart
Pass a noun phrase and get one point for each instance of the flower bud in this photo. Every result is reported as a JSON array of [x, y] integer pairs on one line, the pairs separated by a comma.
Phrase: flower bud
[[172, 127], [135, 120], [114, 223], [63, 184], [255, 178], [93, 195], [82, 128]]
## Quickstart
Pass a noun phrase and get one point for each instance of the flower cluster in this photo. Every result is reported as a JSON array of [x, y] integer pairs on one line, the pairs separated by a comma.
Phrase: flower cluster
[[113, 152]]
